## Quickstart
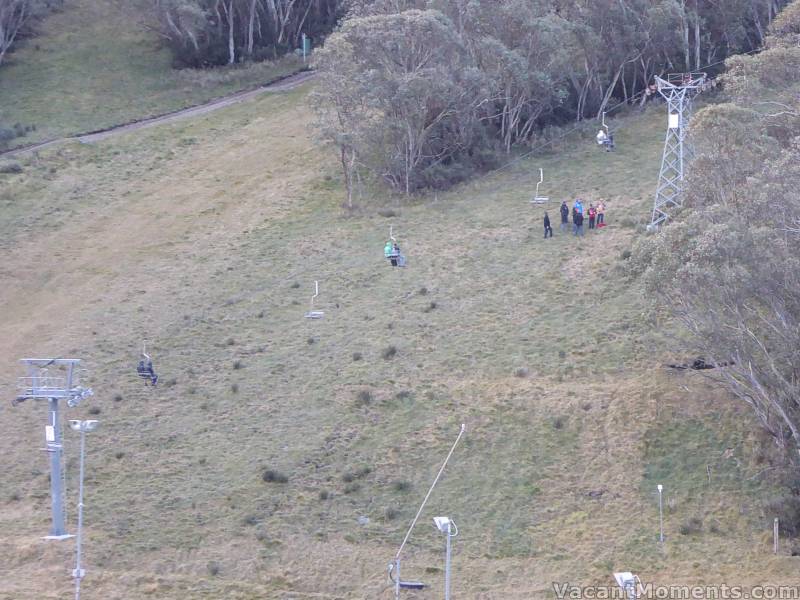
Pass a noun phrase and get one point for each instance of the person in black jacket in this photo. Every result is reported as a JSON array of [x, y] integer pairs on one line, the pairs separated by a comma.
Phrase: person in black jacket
[[564, 216], [547, 228], [577, 220], [146, 372]]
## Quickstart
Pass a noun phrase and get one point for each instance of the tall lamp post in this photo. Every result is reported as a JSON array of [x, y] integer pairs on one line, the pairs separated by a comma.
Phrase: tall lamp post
[[78, 573], [447, 527]]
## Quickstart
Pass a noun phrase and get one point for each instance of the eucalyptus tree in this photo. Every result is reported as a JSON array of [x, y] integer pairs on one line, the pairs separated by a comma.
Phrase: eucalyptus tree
[[418, 93], [727, 267], [523, 48], [16, 15], [209, 32]]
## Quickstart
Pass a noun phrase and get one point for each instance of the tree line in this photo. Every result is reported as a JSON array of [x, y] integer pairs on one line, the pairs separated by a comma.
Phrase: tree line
[[17, 18], [728, 265], [205, 33], [421, 93]]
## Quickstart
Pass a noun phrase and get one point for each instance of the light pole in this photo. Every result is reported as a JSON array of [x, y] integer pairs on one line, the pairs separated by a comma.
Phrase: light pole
[[394, 566], [660, 514], [446, 526], [78, 573]]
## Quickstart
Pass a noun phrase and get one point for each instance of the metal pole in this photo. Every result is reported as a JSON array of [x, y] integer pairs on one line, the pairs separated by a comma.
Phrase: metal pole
[[660, 514], [447, 565], [78, 573], [55, 448], [775, 534], [304, 47], [397, 580]]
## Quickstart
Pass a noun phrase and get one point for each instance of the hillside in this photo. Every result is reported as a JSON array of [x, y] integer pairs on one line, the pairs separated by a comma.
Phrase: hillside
[[204, 238], [97, 63]]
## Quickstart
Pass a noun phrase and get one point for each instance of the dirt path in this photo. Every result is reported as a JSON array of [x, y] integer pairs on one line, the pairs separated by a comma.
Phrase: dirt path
[[282, 85]]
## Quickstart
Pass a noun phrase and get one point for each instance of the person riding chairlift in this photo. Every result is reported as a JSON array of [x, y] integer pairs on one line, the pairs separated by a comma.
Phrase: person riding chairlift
[[146, 372], [606, 140], [392, 252]]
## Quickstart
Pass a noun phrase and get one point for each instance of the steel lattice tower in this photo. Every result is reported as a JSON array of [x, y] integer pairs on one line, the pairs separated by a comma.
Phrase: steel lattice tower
[[678, 90]]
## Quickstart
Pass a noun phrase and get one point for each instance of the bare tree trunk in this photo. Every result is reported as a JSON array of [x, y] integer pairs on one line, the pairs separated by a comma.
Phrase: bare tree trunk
[[13, 15], [624, 86], [685, 27], [231, 47], [347, 171], [408, 152], [610, 90], [696, 35], [251, 28], [285, 19], [757, 23], [300, 24]]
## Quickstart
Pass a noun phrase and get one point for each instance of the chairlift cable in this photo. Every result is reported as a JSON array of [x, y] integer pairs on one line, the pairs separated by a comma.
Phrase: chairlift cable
[[430, 491]]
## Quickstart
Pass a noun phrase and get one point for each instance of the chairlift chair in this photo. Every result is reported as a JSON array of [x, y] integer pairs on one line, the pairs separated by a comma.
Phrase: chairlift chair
[[604, 137], [145, 367], [537, 199], [403, 585], [315, 314], [630, 585], [398, 257]]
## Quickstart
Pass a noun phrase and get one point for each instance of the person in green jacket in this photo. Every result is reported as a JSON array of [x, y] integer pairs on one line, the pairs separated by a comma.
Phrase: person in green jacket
[[389, 252]]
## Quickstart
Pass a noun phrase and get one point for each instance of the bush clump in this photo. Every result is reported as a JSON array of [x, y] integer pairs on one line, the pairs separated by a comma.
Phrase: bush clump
[[10, 168], [692, 525], [359, 473], [363, 398], [401, 485], [273, 476]]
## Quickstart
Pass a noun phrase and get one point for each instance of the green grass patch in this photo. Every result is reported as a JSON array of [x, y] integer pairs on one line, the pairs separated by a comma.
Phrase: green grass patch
[[94, 64]]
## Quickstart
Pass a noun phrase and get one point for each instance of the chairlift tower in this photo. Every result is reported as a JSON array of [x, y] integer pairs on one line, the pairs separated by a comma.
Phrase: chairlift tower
[[678, 89], [53, 379]]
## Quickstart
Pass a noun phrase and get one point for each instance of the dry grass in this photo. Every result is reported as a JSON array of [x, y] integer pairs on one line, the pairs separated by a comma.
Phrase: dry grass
[[194, 234]]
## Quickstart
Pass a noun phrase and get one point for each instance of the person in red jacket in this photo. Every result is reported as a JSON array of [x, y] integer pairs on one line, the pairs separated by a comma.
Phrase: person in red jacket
[[592, 216]]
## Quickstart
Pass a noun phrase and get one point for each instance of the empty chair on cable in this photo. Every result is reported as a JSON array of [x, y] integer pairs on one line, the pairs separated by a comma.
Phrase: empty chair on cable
[[404, 585], [315, 314]]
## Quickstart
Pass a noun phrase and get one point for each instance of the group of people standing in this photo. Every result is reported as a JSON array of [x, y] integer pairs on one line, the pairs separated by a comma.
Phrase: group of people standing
[[596, 215]]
